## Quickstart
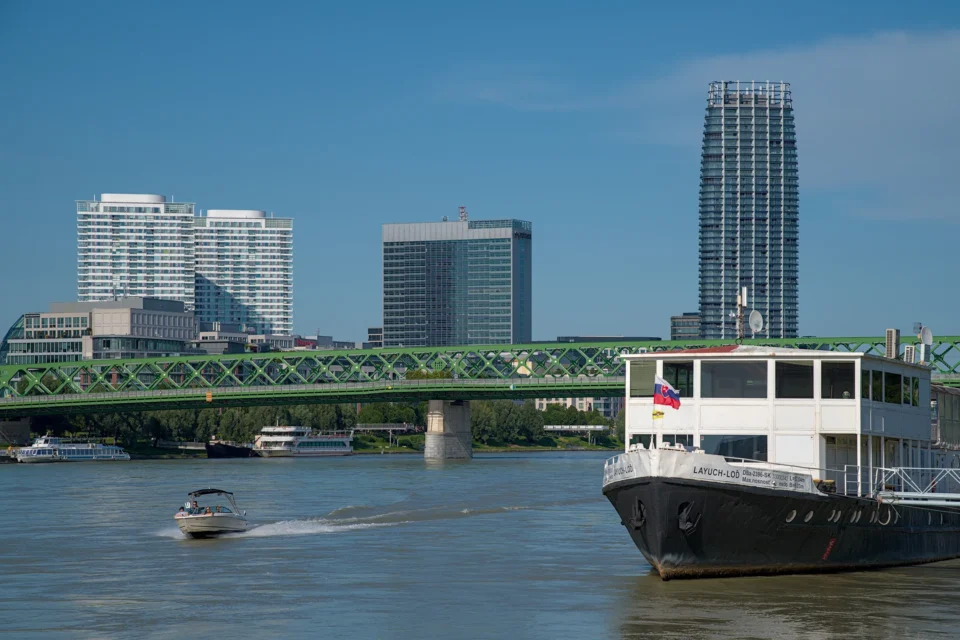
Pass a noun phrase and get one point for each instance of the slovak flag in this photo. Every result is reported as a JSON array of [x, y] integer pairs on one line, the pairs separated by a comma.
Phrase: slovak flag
[[663, 393]]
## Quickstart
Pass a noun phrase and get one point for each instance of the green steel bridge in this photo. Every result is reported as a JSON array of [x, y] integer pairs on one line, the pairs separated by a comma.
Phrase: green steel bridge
[[544, 370]]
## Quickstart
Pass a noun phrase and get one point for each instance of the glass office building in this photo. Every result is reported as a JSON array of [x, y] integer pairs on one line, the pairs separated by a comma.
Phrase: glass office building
[[135, 245], [749, 208], [457, 282], [244, 271]]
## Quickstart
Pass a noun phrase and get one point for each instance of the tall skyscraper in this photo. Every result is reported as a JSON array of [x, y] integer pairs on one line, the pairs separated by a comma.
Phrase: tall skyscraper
[[244, 271], [458, 282], [749, 208], [135, 245]]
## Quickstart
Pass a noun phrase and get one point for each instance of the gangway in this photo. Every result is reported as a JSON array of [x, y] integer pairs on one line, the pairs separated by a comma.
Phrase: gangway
[[919, 486]]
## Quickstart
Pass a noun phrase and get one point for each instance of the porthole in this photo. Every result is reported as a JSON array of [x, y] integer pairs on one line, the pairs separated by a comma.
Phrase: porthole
[[853, 517], [833, 512], [941, 519], [839, 515], [791, 516], [873, 517], [859, 513], [929, 518], [808, 517], [896, 516], [886, 517]]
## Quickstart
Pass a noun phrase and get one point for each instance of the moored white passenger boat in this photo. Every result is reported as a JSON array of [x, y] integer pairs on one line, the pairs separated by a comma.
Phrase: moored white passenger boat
[[285, 442], [206, 520], [52, 449], [784, 461]]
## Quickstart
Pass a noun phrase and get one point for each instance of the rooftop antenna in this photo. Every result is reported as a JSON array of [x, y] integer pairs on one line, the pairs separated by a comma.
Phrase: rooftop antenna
[[463, 214], [738, 316]]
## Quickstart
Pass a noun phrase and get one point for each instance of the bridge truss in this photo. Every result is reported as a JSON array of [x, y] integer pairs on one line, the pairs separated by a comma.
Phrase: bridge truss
[[498, 371]]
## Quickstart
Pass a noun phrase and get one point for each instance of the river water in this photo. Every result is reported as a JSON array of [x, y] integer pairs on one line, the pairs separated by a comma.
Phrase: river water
[[503, 546]]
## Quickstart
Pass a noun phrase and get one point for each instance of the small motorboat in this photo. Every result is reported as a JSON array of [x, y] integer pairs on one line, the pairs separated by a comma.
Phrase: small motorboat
[[204, 521]]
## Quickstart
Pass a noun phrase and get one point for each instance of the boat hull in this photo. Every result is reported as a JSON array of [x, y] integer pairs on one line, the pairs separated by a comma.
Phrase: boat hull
[[281, 453], [691, 529], [210, 525], [220, 450]]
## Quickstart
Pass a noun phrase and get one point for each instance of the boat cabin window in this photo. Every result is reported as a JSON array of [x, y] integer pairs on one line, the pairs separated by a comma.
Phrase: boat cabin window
[[735, 446], [915, 395], [837, 380], [865, 384], [685, 439], [892, 388], [794, 379], [680, 377], [876, 387], [642, 374], [642, 438], [733, 380]]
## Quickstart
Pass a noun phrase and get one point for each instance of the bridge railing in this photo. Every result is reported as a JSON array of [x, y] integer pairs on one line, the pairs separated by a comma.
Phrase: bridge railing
[[334, 388]]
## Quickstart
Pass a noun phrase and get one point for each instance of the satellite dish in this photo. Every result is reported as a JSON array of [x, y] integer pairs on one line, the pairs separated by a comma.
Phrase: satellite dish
[[926, 336], [756, 321]]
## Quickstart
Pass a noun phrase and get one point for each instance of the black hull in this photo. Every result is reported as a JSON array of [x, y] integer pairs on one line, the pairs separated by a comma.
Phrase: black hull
[[229, 451], [692, 529]]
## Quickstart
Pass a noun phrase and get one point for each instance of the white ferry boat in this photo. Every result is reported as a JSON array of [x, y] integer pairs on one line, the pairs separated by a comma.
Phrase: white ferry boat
[[786, 461], [299, 442], [51, 449]]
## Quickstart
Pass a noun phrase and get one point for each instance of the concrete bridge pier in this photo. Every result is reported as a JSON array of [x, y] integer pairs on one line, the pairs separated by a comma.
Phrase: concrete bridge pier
[[448, 430]]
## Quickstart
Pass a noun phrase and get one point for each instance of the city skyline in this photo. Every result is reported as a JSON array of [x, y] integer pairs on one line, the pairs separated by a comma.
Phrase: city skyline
[[597, 150]]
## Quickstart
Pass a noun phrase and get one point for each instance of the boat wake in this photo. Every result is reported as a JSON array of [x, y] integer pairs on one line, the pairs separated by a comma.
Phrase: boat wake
[[359, 517]]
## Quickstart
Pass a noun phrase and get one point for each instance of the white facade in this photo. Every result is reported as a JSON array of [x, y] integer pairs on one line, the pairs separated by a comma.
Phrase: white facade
[[244, 270], [802, 407], [135, 245]]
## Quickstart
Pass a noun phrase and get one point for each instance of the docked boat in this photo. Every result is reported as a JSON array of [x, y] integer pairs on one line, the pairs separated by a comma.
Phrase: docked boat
[[300, 442], [52, 449], [201, 517], [228, 449], [785, 461]]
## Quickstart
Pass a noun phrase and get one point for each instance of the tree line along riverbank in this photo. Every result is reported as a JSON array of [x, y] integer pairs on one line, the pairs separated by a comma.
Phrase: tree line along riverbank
[[496, 425]]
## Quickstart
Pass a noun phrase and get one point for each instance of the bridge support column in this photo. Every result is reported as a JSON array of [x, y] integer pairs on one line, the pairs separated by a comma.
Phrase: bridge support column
[[448, 430]]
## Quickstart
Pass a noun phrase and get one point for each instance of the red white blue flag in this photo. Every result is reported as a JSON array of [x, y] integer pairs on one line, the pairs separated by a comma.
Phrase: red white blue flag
[[664, 394]]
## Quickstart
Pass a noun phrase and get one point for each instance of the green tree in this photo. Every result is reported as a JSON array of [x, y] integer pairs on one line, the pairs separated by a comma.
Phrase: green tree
[[531, 422]]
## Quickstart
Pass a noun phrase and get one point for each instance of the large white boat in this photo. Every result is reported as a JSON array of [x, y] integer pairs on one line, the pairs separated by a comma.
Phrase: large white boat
[[51, 449], [282, 441], [785, 461]]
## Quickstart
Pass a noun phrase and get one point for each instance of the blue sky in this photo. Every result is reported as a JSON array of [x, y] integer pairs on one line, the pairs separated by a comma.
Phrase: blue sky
[[584, 119]]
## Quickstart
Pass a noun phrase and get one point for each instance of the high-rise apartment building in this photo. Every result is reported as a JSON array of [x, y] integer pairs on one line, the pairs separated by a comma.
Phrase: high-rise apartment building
[[135, 245], [457, 282], [749, 208], [244, 270]]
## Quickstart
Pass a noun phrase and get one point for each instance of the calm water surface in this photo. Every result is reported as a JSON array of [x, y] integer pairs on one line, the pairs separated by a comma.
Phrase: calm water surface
[[504, 546]]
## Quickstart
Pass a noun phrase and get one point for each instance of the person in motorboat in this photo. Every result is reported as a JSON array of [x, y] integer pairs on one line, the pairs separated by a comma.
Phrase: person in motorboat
[[210, 520]]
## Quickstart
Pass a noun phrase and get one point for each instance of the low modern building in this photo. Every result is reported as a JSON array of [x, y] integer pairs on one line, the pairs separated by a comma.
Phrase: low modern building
[[607, 338], [104, 330], [685, 326], [607, 407], [374, 338]]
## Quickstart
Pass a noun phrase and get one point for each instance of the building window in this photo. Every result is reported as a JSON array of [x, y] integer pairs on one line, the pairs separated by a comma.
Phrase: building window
[[642, 374], [915, 395], [865, 384], [837, 380], [892, 388], [733, 380], [794, 380], [740, 446], [877, 386], [680, 377]]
